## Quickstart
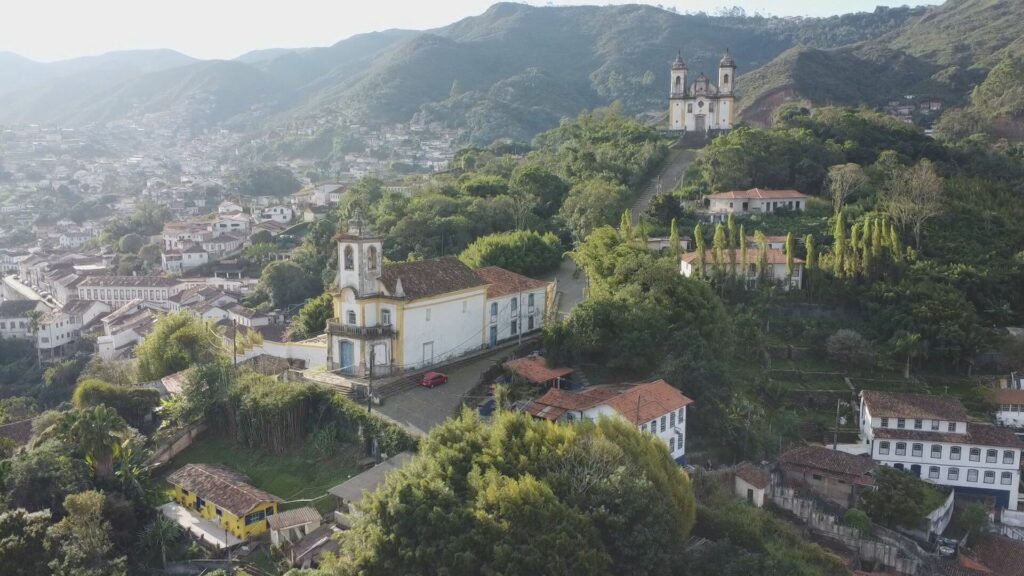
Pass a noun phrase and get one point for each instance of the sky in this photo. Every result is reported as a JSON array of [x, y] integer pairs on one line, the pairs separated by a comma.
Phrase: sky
[[47, 30]]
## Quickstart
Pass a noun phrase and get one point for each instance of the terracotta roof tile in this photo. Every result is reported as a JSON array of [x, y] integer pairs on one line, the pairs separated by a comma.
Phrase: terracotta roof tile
[[834, 462], [536, 369], [225, 488], [758, 194], [643, 402], [294, 517], [427, 278], [753, 475], [1007, 396], [503, 282], [1004, 556], [917, 406]]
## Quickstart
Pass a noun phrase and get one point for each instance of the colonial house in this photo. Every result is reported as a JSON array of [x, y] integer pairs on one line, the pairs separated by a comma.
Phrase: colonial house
[[933, 438], [231, 223], [831, 474], [654, 407], [772, 242], [120, 290], [1009, 401], [125, 328], [187, 258], [60, 329], [774, 270], [753, 201], [280, 214], [224, 497], [415, 314], [228, 207], [15, 317]]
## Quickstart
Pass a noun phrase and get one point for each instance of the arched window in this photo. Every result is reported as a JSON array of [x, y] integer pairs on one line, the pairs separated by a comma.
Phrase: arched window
[[725, 79], [371, 258], [351, 317], [350, 263], [679, 82]]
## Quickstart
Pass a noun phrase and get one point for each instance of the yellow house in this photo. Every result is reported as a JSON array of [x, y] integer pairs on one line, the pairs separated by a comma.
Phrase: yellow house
[[225, 497]]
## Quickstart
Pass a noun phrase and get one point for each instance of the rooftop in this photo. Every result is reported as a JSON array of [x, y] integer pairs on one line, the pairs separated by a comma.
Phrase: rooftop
[[917, 406], [536, 369], [352, 490], [637, 403], [225, 488], [132, 281], [753, 475], [504, 282], [758, 194], [427, 278], [294, 517], [856, 469], [979, 434]]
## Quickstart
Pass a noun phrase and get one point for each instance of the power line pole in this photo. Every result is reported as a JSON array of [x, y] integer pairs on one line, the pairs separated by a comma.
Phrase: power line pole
[[835, 434]]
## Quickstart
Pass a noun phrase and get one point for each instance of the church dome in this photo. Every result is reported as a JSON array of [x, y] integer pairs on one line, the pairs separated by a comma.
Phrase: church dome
[[727, 60], [679, 63]]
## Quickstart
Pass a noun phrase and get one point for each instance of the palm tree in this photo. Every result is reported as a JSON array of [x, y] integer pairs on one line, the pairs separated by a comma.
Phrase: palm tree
[[34, 322], [99, 432], [908, 344], [161, 533]]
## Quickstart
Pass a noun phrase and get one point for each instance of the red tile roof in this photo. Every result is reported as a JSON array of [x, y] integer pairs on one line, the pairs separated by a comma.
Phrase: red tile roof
[[504, 282], [917, 406], [427, 278], [637, 403], [774, 257], [536, 369], [753, 475], [1007, 396], [225, 488], [855, 469], [1002, 555], [758, 194]]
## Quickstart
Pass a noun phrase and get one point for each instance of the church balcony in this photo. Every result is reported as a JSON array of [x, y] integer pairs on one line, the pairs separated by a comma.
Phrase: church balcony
[[337, 328]]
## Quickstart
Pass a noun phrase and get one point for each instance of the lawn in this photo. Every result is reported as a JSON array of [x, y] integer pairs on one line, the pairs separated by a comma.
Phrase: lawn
[[299, 475]]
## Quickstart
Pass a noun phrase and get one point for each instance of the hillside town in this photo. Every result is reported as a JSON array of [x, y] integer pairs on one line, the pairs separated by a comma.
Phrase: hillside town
[[655, 338]]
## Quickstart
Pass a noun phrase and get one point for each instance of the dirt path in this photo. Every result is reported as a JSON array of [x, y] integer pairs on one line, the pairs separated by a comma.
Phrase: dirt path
[[671, 173]]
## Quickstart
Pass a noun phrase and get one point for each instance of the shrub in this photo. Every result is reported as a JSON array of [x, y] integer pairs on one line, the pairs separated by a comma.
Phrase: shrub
[[849, 347]]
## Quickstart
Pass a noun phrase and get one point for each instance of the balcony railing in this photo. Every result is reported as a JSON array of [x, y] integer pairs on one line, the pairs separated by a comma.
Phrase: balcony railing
[[360, 332]]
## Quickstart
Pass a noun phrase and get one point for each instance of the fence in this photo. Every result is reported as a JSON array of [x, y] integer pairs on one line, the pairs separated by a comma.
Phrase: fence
[[885, 547], [176, 444]]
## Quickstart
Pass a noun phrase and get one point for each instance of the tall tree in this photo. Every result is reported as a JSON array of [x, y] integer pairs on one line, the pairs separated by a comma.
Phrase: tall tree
[[812, 254], [98, 432], [674, 241], [839, 246], [789, 256], [913, 196], [719, 246], [80, 543], [845, 180], [698, 238], [743, 252]]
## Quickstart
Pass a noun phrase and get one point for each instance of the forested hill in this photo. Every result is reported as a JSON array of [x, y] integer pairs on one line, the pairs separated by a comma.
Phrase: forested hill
[[513, 71], [944, 53]]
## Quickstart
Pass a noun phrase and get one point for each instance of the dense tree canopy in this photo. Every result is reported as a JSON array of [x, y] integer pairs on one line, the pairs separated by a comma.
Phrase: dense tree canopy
[[177, 342], [525, 252]]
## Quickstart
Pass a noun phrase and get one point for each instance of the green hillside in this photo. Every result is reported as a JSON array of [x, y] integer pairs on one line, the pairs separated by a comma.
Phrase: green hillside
[[943, 53]]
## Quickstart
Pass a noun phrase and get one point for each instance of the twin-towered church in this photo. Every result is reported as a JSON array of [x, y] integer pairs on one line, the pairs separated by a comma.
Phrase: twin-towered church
[[702, 106]]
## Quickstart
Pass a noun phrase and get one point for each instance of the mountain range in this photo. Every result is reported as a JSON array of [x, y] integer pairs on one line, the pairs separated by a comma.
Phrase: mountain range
[[516, 69]]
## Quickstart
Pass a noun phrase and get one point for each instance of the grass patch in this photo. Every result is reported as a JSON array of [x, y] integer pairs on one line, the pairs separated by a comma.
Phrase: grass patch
[[299, 475]]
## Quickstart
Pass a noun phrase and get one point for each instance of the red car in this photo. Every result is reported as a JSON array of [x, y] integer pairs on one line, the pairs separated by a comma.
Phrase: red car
[[432, 379]]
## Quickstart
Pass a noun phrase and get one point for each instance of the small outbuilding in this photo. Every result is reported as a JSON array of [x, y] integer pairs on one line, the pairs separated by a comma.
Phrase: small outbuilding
[[750, 482], [535, 370], [291, 526]]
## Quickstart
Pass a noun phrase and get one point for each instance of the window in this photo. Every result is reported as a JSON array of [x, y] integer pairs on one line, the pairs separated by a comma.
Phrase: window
[[901, 422], [954, 453], [885, 422], [385, 317], [494, 308], [972, 475], [672, 444], [515, 327], [351, 317], [672, 419], [935, 424], [220, 512], [643, 427], [1007, 456], [663, 419], [682, 414], [529, 300], [689, 108], [270, 511], [514, 304], [953, 474], [654, 426], [371, 258], [933, 472], [725, 79], [816, 476], [991, 456], [975, 455], [990, 477], [883, 447], [901, 448], [529, 323], [936, 451], [1006, 478], [917, 449], [951, 427], [350, 263], [918, 424]]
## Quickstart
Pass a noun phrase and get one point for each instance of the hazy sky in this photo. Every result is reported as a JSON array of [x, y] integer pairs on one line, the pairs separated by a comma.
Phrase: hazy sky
[[55, 29]]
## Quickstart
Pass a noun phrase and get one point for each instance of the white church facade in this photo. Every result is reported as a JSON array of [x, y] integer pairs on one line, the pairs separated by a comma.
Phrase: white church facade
[[412, 315], [701, 106]]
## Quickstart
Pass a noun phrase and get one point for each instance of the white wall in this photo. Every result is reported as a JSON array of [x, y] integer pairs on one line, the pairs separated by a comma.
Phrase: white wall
[[741, 486], [455, 326], [522, 314]]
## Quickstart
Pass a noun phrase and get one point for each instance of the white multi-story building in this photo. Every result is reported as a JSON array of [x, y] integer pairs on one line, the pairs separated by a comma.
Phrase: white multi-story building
[[515, 303], [281, 214], [1010, 402], [16, 317], [933, 438], [654, 407], [60, 330], [753, 201], [120, 290], [733, 265]]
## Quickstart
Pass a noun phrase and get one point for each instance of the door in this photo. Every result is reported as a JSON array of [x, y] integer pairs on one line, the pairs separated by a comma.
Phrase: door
[[698, 123], [494, 335], [428, 353], [750, 495], [346, 357], [916, 470]]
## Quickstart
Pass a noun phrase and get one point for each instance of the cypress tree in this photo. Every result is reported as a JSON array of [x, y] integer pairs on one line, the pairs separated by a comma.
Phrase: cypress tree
[[626, 227], [894, 244], [877, 242], [812, 256], [719, 244], [762, 254], [789, 255], [731, 227], [839, 245], [673, 241], [743, 251], [698, 238]]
